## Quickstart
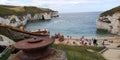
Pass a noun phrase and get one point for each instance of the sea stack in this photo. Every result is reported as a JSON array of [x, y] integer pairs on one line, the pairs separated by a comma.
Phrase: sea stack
[[110, 21]]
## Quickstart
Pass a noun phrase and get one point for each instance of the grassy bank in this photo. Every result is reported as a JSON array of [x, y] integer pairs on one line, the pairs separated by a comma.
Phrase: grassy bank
[[75, 52], [111, 11], [81, 53], [6, 10]]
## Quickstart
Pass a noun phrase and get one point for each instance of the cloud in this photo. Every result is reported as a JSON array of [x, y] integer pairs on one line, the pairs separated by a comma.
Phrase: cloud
[[49, 2], [3, 1], [59, 4], [44, 2]]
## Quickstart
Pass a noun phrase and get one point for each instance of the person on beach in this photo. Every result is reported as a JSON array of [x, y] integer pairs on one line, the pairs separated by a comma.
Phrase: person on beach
[[106, 42], [86, 42], [90, 42], [62, 37], [82, 37], [82, 40], [57, 35], [95, 42], [68, 37]]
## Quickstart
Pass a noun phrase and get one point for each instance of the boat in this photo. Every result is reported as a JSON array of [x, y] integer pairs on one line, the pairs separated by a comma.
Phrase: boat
[[40, 32], [22, 30]]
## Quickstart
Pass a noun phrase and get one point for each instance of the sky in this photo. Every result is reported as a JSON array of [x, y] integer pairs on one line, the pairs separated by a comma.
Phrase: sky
[[67, 6]]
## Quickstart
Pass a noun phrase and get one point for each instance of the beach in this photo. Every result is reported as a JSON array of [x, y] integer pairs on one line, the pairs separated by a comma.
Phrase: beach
[[111, 52], [111, 41]]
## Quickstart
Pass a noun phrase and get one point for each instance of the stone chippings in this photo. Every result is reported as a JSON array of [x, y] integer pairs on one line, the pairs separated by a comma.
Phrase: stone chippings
[[56, 55]]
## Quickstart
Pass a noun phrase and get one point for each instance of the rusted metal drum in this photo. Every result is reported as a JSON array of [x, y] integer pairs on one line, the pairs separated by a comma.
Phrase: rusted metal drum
[[34, 48]]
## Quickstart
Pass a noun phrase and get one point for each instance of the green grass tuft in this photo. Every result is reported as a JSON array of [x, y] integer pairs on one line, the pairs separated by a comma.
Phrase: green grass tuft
[[111, 11], [81, 52]]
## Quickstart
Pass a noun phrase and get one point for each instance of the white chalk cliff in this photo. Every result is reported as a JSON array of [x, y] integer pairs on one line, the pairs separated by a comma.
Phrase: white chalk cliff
[[15, 21], [110, 21], [19, 15]]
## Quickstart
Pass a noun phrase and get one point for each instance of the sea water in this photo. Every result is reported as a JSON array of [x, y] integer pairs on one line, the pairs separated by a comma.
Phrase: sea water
[[69, 24]]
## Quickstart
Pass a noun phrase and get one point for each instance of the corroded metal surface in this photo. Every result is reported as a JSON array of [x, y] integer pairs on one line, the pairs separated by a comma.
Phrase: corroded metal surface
[[33, 56], [54, 55], [34, 48], [34, 43]]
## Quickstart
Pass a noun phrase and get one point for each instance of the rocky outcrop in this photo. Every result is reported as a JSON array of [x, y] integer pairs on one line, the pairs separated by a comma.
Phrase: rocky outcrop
[[109, 22], [55, 14]]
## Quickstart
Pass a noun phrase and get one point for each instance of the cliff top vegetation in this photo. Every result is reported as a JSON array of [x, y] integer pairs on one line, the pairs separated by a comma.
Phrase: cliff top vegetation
[[6, 10], [111, 11]]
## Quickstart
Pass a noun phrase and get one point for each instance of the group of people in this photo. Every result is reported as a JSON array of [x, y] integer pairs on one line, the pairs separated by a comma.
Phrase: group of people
[[59, 36], [84, 41], [93, 42]]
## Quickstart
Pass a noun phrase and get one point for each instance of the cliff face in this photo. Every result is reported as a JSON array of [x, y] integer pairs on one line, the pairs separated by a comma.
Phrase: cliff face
[[20, 15], [110, 21]]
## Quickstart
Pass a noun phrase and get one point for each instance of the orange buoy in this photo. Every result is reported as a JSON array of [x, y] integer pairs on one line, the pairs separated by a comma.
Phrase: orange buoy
[[22, 28]]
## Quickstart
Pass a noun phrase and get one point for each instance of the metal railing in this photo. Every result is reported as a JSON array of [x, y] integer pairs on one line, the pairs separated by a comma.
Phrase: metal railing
[[3, 53]]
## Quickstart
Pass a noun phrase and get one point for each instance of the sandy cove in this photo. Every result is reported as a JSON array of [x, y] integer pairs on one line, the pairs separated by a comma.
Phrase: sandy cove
[[112, 52], [116, 41]]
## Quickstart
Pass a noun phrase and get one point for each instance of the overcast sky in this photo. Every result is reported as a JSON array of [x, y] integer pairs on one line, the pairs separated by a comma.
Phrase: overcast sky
[[67, 5]]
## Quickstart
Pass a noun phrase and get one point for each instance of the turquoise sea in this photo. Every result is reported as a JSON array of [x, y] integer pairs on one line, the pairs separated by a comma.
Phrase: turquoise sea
[[72, 24]]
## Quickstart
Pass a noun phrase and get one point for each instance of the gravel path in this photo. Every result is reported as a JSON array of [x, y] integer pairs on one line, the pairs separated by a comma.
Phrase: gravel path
[[113, 52]]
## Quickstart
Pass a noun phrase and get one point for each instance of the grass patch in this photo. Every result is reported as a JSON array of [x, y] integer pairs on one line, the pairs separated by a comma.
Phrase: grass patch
[[111, 11], [6, 10], [74, 52], [80, 52]]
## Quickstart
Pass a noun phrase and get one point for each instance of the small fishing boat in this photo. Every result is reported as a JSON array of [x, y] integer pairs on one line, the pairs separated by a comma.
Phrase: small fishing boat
[[38, 32]]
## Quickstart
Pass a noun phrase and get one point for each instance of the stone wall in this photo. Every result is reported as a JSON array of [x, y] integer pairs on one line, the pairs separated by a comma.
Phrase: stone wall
[[110, 23]]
